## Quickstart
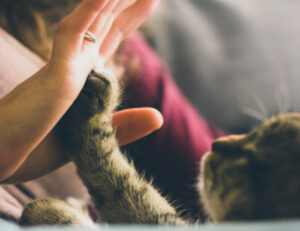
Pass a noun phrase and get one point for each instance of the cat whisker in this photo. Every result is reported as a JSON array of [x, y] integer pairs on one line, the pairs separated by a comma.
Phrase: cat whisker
[[282, 98], [261, 105], [255, 114], [261, 114]]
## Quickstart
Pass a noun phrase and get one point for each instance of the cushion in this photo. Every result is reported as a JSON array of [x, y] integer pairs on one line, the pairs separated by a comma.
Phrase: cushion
[[238, 59]]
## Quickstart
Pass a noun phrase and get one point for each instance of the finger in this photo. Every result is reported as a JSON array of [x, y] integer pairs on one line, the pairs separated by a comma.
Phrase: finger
[[84, 14], [133, 124], [127, 22], [105, 18], [135, 15], [71, 29], [122, 6], [103, 22]]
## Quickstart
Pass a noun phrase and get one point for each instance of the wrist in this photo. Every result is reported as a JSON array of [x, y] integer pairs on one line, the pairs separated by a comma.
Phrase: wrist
[[62, 85]]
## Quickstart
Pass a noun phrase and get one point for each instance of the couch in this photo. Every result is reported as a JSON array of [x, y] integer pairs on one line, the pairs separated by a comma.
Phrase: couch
[[56, 184]]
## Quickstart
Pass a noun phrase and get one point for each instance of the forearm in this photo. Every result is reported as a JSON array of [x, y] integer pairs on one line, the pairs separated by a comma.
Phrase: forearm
[[45, 158], [27, 115]]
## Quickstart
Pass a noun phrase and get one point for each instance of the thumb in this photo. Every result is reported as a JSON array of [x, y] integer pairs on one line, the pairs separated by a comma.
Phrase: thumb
[[133, 124]]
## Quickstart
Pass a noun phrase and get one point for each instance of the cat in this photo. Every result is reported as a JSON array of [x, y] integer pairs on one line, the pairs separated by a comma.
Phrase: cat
[[119, 193], [255, 176], [245, 177]]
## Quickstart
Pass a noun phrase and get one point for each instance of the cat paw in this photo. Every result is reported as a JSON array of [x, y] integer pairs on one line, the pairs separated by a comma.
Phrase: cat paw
[[53, 212], [101, 92], [100, 95]]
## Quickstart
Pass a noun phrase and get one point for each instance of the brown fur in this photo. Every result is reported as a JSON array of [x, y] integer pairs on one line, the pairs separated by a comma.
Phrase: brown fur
[[250, 177], [246, 177], [52, 211], [255, 176], [120, 194]]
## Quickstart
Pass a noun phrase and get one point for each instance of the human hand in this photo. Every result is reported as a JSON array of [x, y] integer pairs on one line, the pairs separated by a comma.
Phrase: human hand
[[34, 107], [110, 21]]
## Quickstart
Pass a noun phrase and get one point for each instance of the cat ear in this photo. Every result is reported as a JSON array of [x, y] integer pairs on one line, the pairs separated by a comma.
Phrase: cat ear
[[228, 143]]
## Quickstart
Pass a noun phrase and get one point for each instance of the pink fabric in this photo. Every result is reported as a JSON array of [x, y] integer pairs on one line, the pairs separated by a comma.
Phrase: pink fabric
[[155, 87], [16, 64], [172, 154]]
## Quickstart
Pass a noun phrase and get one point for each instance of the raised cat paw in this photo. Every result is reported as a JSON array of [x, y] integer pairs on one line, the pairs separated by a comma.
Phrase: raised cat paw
[[102, 91], [100, 95]]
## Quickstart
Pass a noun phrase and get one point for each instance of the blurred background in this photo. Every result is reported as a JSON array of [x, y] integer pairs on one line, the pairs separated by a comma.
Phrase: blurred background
[[238, 61]]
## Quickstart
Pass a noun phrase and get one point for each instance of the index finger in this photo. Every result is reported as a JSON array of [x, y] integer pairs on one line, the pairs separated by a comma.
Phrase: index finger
[[126, 23], [70, 31], [84, 14]]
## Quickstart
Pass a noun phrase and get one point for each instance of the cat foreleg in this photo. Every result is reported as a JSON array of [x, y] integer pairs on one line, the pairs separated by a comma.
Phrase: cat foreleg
[[120, 194], [54, 212]]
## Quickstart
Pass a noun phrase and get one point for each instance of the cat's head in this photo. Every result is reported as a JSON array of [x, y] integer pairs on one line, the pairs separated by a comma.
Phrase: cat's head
[[254, 176]]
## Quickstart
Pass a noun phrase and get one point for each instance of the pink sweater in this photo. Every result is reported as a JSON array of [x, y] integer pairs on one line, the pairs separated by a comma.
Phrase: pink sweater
[[172, 154]]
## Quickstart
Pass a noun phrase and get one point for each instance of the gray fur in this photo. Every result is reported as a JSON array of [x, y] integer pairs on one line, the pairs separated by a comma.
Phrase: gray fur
[[247, 177], [120, 194], [255, 176]]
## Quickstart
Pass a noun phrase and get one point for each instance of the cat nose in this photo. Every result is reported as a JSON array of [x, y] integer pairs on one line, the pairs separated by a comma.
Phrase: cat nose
[[226, 143]]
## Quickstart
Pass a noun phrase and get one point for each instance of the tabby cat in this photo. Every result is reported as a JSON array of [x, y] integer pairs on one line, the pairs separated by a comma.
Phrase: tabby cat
[[254, 176], [245, 177], [119, 193]]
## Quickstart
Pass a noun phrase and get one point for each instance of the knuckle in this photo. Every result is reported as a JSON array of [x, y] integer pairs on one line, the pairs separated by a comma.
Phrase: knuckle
[[65, 27], [91, 6]]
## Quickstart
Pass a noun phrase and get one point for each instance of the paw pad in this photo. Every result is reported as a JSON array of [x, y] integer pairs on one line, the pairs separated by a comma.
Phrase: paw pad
[[99, 95]]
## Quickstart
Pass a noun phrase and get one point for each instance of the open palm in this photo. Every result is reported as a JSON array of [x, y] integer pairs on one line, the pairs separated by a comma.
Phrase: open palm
[[110, 21]]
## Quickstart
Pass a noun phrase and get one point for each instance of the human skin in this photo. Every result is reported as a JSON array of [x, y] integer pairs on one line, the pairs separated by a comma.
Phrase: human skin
[[28, 147]]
